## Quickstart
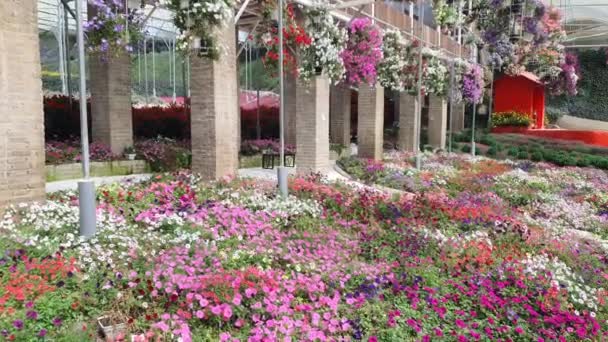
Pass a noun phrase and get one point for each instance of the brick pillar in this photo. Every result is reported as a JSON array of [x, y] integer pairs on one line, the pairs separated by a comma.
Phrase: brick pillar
[[290, 108], [110, 83], [407, 122], [340, 115], [312, 120], [370, 121], [215, 110], [22, 172], [458, 117], [438, 121]]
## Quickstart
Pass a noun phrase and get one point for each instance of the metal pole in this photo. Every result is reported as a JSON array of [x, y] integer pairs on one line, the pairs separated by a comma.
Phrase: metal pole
[[473, 130], [258, 128], [153, 69], [491, 104], [174, 70], [146, 68], [86, 187], [60, 36], [66, 32], [419, 107], [138, 69], [281, 171], [452, 76]]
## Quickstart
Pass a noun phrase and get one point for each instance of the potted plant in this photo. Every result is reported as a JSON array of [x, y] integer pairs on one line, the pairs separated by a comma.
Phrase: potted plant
[[112, 326], [130, 152]]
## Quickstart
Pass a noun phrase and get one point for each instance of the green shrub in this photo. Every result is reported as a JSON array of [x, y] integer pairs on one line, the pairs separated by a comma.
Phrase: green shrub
[[583, 161], [488, 140], [499, 147], [492, 151], [522, 155], [536, 156], [513, 151], [465, 149]]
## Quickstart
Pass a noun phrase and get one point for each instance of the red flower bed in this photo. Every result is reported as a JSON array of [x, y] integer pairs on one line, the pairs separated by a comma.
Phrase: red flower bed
[[62, 120]]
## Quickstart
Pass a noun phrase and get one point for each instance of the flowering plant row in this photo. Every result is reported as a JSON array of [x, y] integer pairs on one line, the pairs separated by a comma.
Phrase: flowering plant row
[[468, 249], [511, 119]]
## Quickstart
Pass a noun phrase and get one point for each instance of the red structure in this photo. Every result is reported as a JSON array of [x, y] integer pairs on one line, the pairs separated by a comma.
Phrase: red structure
[[523, 93]]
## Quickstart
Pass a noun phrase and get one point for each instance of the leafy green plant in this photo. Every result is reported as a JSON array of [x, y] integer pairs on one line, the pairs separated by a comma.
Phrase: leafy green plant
[[522, 155], [536, 156], [492, 151], [513, 151], [512, 118]]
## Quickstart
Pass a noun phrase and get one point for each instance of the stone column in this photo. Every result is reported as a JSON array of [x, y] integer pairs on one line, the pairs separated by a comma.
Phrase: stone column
[[370, 121], [110, 83], [22, 172], [458, 117], [408, 135], [340, 115], [312, 120], [215, 110], [290, 108], [438, 121]]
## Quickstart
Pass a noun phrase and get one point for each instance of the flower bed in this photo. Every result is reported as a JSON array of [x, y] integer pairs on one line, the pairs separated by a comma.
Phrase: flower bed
[[479, 251]]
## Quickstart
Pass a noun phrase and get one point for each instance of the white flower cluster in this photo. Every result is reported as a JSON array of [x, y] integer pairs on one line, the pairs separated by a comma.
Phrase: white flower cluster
[[283, 210], [559, 215], [435, 78], [562, 275], [392, 66], [328, 42]]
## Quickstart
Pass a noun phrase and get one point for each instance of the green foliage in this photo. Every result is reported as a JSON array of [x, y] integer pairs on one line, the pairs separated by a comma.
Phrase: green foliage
[[510, 119], [465, 149], [536, 156], [492, 151], [592, 99], [522, 155], [512, 151]]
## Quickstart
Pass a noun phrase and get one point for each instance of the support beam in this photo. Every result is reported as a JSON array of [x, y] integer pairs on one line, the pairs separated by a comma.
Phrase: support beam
[[370, 121], [312, 108], [340, 115], [438, 121], [214, 110], [408, 134], [22, 170]]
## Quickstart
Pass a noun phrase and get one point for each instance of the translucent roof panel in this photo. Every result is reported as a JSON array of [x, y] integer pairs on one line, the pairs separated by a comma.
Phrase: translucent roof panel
[[50, 17], [586, 21]]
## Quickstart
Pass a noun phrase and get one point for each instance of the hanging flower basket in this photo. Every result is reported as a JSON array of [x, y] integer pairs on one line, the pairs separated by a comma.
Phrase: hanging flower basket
[[327, 42]]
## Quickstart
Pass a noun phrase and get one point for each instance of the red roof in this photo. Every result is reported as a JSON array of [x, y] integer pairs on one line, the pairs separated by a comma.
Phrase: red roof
[[530, 76]]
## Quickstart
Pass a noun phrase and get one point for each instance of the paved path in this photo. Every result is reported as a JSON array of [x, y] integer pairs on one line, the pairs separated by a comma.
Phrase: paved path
[[72, 184]]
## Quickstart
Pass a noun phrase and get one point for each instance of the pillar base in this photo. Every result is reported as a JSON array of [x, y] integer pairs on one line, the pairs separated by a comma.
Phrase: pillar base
[[370, 128], [312, 120], [408, 135]]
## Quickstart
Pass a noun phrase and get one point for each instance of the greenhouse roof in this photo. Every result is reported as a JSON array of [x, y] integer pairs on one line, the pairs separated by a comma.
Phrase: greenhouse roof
[[586, 21], [159, 24]]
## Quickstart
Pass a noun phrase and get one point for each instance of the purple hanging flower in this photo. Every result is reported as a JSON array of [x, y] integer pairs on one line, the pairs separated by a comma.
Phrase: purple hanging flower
[[472, 84]]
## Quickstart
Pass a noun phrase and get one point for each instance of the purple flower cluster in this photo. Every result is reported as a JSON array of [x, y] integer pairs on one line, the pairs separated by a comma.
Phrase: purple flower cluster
[[107, 30], [363, 52], [472, 84]]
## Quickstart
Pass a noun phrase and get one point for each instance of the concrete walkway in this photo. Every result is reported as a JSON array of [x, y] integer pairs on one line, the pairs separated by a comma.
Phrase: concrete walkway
[[271, 174], [72, 184]]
